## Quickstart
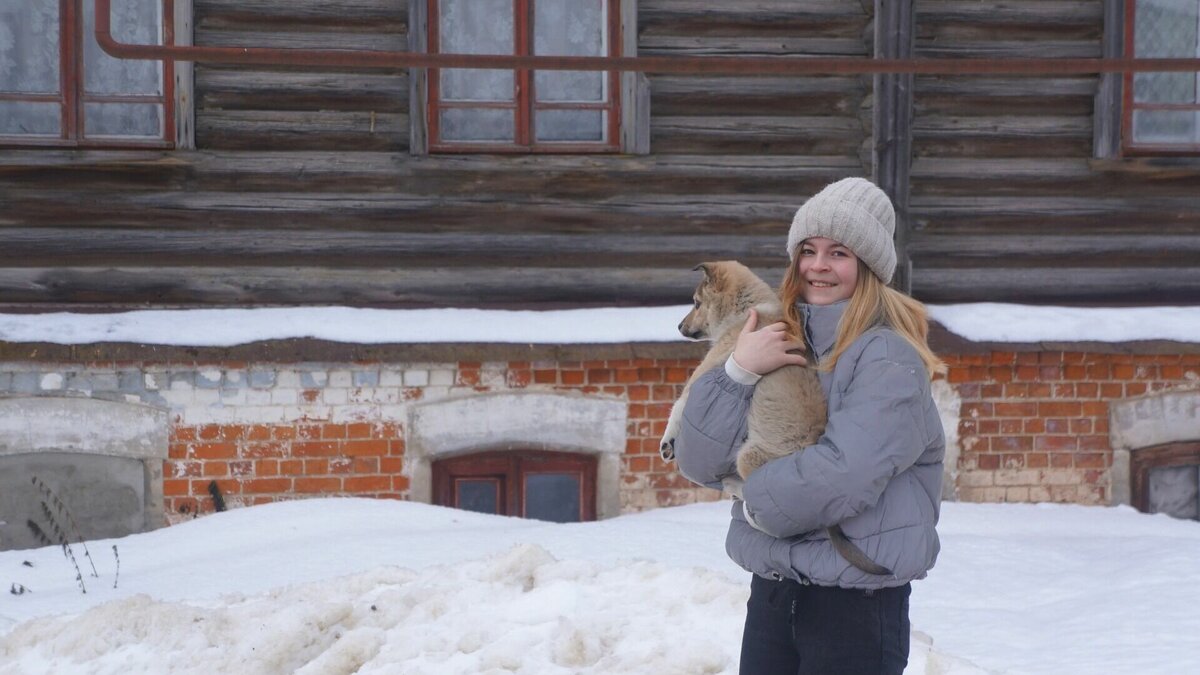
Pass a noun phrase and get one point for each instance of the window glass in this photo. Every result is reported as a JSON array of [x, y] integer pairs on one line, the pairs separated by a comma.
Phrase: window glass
[[553, 497], [134, 21], [476, 27], [477, 124], [1166, 29], [569, 28], [1175, 490], [123, 119], [481, 495], [570, 125], [25, 117], [29, 46]]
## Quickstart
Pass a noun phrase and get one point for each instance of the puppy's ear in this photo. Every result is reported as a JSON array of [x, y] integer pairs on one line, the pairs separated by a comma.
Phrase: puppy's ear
[[706, 268]]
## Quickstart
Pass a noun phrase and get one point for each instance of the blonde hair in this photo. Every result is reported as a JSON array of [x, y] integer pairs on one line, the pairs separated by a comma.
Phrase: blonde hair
[[873, 303]]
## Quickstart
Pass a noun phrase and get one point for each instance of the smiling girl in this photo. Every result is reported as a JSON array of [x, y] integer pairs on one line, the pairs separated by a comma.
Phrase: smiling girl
[[876, 470]]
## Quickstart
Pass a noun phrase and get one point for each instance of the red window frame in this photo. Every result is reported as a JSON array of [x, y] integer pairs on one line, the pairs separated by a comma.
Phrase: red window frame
[[524, 98], [509, 469], [72, 97], [1129, 105]]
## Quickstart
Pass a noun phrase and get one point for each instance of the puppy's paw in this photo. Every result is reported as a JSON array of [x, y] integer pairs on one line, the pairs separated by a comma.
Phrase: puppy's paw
[[667, 449]]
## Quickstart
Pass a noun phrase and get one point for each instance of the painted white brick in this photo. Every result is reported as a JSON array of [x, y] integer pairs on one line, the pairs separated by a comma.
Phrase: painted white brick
[[235, 376], [212, 375], [345, 414], [341, 378], [417, 378], [334, 396], [434, 393], [288, 379], [233, 396], [393, 413], [441, 377], [284, 396], [490, 377], [154, 381], [206, 397], [51, 381], [258, 397]]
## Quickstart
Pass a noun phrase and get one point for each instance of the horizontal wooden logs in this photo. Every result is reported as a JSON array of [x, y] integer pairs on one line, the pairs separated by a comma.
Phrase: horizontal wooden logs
[[318, 15], [302, 130], [757, 135], [757, 96], [241, 89], [1074, 285], [259, 247], [375, 287]]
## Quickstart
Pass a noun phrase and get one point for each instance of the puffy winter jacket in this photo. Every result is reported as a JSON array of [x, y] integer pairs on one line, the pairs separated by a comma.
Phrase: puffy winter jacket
[[876, 471]]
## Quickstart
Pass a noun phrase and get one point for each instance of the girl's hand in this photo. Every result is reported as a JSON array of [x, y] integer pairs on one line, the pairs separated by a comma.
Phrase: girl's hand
[[762, 351]]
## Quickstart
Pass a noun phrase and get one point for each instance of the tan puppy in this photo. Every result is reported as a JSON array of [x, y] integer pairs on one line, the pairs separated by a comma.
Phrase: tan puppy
[[787, 411]]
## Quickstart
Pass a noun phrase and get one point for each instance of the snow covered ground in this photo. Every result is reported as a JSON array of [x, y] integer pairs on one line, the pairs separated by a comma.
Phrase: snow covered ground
[[981, 322], [352, 585]]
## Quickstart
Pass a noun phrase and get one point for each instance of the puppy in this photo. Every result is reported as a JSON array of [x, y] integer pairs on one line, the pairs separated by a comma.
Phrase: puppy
[[787, 412]]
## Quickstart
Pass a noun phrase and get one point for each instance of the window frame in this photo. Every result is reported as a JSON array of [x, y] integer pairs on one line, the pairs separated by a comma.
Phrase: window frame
[[1128, 146], [72, 98], [1145, 460], [510, 468], [524, 95]]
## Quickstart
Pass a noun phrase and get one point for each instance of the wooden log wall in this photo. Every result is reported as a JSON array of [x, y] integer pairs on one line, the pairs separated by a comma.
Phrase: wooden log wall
[[1007, 201], [302, 189]]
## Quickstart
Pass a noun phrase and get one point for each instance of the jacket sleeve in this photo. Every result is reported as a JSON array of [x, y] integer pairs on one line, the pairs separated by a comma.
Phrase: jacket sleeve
[[713, 428], [877, 430]]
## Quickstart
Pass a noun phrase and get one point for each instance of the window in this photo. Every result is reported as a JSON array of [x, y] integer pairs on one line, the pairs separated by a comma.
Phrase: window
[[58, 88], [1166, 479], [1162, 110], [554, 486], [471, 110]]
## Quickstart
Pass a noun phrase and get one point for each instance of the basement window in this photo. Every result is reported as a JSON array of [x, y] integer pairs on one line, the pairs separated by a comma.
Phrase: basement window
[[553, 486], [1166, 479]]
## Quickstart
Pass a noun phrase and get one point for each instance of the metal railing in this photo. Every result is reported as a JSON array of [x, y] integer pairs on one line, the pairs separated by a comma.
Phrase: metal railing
[[707, 65]]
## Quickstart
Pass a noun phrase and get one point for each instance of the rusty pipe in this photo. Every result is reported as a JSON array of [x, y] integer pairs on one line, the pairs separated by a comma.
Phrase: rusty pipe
[[690, 65]]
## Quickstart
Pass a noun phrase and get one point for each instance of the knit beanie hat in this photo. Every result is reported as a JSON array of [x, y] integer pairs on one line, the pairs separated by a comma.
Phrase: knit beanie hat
[[856, 214]]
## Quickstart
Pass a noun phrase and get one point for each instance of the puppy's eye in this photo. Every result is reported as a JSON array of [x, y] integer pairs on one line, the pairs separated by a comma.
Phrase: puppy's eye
[[696, 304]]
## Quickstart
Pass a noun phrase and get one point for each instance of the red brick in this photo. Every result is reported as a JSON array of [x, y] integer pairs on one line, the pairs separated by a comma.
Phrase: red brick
[[1135, 388], [1003, 357], [214, 450], [1011, 460], [258, 432], [467, 377], [329, 432], [314, 449], [233, 432], [1060, 460], [1026, 373], [391, 465], [545, 376], [1094, 409], [318, 485], [1094, 442], [367, 483], [363, 448], [639, 392], [1012, 443], [1123, 371], [638, 464], [958, 376], [1000, 374], [183, 434], [989, 426], [1037, 460], [518, 379], [1090, 460], [573, 377], [282, 433], [267, 485], [209, 432], [1059, 409], [1056, 443], [1074, 372], [1081, 426], [1027, 358], [400, 483], [1087, 390], [1111, 390], [175, 487], [677, 375], [266, 467], [1034, 425], [241, 468], [291, 467], [260, 450], [1016, 409], [316, 467], [341, 465], [600, 375]]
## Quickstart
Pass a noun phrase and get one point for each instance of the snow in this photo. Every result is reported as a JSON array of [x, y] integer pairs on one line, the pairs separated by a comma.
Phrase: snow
[[983, 322], [375, 586]]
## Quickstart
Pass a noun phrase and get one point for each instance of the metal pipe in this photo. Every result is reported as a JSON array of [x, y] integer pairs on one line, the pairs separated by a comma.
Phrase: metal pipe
[[691, 65]]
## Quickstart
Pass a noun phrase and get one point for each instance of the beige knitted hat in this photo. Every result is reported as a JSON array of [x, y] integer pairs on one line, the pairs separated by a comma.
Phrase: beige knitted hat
[[856, 214]]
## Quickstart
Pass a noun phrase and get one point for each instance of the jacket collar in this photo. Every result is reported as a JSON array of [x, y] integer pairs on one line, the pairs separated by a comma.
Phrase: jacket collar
[[821, 323]]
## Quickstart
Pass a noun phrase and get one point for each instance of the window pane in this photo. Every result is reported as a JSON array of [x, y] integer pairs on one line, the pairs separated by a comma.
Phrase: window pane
[[552, 496], [136, 120], [569, 28], [460, 84], [29, 46], [135, 21], [476, 27], [570, 125], [1173, 490], [1166, 126], [480, 495], [476, 124], [24, 117]]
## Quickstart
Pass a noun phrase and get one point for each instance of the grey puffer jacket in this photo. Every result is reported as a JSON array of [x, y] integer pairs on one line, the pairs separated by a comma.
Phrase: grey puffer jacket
[[876, 471]]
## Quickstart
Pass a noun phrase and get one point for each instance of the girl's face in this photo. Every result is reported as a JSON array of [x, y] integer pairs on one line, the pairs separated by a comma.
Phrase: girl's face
[[828, 269]]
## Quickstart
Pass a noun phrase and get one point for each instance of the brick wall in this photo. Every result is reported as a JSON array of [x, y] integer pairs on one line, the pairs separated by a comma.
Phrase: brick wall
[[1031, 426], [1034, 425]]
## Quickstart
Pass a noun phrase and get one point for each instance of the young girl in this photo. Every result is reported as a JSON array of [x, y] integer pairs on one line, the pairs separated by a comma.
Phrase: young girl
[[876, 471]]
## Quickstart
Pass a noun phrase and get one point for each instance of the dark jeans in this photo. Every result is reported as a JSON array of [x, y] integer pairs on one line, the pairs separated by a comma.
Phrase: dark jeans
[[795, 629]]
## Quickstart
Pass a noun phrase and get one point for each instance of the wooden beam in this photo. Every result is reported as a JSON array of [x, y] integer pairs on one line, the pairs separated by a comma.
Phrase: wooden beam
[[893, 122]]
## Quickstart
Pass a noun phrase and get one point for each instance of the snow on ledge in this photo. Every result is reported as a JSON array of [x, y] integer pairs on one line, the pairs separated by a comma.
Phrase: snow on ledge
[[983, 322]]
